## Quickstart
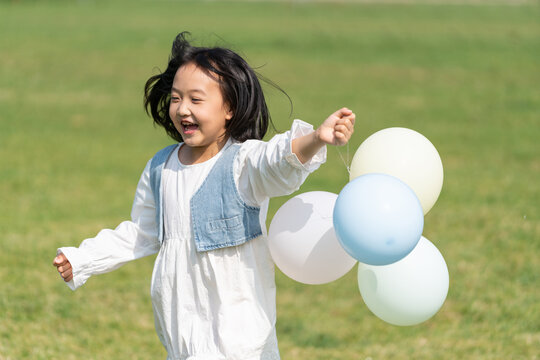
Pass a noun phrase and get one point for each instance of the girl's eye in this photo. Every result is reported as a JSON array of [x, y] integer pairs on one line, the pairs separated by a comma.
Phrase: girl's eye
[[196, 100], [175, 99]]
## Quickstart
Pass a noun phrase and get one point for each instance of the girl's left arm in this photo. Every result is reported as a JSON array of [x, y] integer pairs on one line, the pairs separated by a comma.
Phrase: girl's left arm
[[280, 166], [337, 129]]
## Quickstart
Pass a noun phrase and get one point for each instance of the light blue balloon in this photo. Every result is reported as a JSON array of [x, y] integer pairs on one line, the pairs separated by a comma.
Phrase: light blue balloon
[[378, 219]]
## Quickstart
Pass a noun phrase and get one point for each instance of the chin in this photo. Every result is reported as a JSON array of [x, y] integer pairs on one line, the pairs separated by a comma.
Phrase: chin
[[194, 143]]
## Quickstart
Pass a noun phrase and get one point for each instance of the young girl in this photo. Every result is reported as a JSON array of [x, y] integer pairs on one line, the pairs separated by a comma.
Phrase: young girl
[[201, 205]]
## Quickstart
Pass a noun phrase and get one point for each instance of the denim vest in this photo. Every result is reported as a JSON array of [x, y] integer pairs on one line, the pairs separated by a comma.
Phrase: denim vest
[[219, 216]]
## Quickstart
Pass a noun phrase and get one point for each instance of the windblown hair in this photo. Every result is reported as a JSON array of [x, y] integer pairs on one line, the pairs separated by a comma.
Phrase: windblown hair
[[238, 82]]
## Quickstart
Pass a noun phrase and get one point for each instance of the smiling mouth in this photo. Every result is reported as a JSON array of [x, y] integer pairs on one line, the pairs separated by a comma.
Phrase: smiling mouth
[[188, 127]]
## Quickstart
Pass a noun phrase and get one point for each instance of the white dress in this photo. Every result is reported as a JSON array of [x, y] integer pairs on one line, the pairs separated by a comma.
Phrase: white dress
[[212, 305]]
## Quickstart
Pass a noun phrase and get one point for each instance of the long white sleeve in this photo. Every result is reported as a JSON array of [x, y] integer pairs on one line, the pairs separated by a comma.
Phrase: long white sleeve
[[110, 249], [268, 169]]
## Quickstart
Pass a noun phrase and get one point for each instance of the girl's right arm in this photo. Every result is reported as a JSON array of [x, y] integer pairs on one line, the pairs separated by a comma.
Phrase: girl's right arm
[[110, 249]]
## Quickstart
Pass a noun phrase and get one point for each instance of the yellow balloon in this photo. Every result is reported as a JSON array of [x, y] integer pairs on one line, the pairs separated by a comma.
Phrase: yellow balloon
[[405, 154]]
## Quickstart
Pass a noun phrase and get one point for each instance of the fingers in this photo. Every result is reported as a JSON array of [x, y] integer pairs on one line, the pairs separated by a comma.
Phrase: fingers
[[66, 272], [64, 267], [343, 112], [338, 127], [344, 129], [67, 275], [346, 123], [341, 138], [60, 259], [352, 118]]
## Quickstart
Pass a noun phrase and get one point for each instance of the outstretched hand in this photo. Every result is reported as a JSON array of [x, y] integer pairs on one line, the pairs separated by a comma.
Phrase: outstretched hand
[[64, 267], [335, 130], [338, 128]]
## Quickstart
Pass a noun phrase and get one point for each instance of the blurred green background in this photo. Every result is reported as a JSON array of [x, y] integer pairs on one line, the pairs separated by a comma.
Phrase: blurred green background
[[74, 139]]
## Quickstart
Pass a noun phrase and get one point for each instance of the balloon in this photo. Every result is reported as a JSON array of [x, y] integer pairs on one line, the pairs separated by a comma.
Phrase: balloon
[[405, 154], [378, 219], [409, 291], [302, 241]]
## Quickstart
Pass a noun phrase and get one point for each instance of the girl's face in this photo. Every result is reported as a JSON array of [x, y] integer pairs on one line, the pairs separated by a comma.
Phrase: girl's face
[[198, 111]]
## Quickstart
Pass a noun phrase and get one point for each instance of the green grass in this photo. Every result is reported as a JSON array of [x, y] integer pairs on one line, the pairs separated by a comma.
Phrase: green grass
[[74, 139]]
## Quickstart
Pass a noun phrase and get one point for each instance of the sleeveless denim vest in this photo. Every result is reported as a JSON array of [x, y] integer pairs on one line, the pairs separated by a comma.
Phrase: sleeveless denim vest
[[219, 216]]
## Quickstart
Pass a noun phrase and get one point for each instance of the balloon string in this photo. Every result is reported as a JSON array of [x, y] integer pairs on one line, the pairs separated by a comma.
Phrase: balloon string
[[347, 163]]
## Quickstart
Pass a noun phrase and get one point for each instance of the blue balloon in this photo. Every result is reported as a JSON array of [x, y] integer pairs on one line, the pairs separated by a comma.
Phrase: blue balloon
[[378, 219]]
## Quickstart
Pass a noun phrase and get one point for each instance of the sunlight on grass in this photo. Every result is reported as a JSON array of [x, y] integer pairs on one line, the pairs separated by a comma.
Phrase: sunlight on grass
[[74, 139]]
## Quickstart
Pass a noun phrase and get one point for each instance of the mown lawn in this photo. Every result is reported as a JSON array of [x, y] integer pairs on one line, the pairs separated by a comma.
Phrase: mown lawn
[[74, 139]]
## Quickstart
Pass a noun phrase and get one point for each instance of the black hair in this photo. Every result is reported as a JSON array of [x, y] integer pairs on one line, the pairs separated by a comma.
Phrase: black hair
[[238, 82]]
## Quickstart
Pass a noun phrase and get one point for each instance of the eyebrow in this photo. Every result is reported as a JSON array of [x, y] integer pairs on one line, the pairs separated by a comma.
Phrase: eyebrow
[[189, 91]]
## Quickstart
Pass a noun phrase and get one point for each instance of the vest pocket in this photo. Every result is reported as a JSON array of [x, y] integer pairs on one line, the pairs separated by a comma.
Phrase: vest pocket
[[223, 224]]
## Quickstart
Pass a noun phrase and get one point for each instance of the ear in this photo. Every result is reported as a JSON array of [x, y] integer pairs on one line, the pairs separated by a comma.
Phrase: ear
[[228, 114]]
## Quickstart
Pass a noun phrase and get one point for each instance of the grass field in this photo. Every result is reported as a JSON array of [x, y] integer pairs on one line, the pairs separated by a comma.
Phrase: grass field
[[74, 139]]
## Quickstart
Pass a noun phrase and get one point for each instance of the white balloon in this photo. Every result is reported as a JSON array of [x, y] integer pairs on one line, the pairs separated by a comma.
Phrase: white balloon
[[405, 154], [302, 240], [409, 291]]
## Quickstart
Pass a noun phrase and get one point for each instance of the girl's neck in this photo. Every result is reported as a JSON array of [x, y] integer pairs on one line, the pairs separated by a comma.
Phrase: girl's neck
[[190, 155]]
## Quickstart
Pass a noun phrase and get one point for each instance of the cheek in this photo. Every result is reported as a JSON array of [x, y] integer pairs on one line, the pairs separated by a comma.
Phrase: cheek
[[174, 119]]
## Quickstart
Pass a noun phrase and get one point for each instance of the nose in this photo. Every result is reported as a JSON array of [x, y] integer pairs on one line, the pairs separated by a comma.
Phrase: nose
[[183, 109]]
